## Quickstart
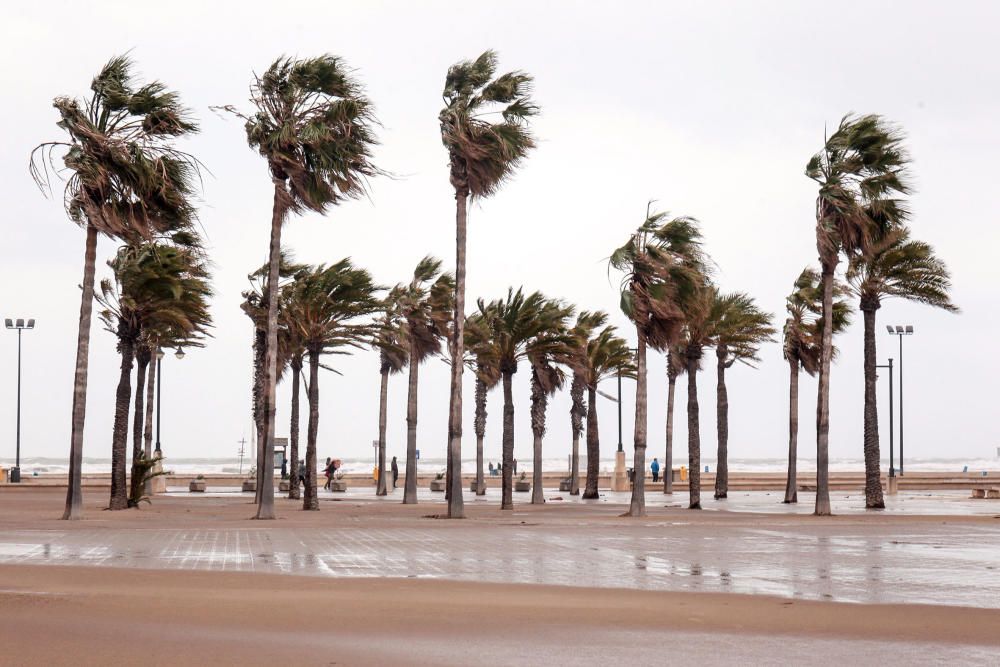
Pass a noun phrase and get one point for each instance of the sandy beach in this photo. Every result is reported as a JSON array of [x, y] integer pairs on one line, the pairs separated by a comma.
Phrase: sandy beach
[[193, 578]]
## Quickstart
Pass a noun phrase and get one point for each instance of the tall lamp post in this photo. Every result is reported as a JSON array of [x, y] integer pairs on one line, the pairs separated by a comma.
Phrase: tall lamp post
[[905, 330], [19, 325], [892, 463], [159, 384]]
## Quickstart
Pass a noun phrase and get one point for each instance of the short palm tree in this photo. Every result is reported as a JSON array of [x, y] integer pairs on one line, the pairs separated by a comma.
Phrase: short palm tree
[[156, 287], [741, 330], [902, 268], [127, 182], [675, 367], [661, 262], [484, 127], [861, 172], [314, 126], [607, 356], [587, 323], [802, 334], [425, 306], [551, 346], [507, 331], [291, 356], [487, 377], [392, 354], [328, 307]]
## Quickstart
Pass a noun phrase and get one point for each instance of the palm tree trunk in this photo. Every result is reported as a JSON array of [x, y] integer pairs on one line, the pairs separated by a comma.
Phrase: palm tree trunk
[[722, 426], [694, 434], [873, 481], [380, 487], [142, 356], [456, 508], [410, 486], [538, 405], [668, 460], [259, 407], [480, 426], [148, 426], [637, 506], [593, 445], [293, 431], [447, 446], [507, 482], [119, 432], [791, 486], [310, 495], [74, 490], [577, 412], [823, 397]]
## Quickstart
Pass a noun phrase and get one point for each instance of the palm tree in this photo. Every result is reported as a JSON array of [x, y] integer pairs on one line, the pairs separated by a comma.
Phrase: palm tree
[[741, 330], [324, 306], [607, 356], [291, 355], [393, 356], [424, 308], [675, 367], [314, 126], [661, 261], [508, 331], [156, 287], [487, 377], [861, 172], [484, 127], [551, 345], [586, 323], [903, 268], [127, 182], [803, 333]]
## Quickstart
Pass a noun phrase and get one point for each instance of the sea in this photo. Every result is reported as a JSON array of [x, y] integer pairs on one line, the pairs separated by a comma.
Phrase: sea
[[233, 465]]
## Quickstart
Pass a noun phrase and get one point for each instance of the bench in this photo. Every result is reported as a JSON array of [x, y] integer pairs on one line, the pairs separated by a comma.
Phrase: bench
[[985, 492]]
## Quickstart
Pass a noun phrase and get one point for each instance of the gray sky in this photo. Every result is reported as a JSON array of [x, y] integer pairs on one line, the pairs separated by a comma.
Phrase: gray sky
[[712, 109]]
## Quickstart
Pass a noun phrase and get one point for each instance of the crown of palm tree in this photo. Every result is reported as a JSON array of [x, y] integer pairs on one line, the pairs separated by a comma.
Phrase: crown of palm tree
[[484, 124], [159, 292], [901, 268], [607, 355], [663, 264], [323, 306], [127, 181], [388, 336], [315, 128], [803, 330], [426, 305], [742, 328], [862, 173], [255, 299]]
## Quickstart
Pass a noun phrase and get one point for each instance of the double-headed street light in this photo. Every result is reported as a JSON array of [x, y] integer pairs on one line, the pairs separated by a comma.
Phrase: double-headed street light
[[159, 383], [900, 330], [19, 325]]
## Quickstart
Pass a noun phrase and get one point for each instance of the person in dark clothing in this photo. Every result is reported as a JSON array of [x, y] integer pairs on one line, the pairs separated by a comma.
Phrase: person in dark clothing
[[302, 471], [395, 472], [331, 468]]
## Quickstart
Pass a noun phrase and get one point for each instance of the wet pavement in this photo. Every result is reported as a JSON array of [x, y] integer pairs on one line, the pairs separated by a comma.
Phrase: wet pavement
[[926, 561]]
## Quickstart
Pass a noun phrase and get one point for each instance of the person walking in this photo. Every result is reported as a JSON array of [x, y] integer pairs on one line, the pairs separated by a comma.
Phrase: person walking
[[395, 472], [329, 474], [302, 471], [492, 471], [655, 467]]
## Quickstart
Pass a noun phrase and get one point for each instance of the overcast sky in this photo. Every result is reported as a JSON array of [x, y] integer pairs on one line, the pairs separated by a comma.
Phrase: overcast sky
[[712, 109]]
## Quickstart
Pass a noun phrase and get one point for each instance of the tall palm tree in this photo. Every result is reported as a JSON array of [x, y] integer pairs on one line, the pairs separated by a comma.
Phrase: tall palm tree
[[661, 261], [581, 333], [741, 330], [127, 182], [425, 305], [803, 333], [607, 356], [903, 268], [509, 331], [484, 127], [861, 172], [156, 287], [314, 126], [393, 355], [675, 367], [327, 306], [551, 346]]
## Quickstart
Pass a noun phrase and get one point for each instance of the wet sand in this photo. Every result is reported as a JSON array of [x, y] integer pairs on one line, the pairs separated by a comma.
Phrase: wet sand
[[194, 579]]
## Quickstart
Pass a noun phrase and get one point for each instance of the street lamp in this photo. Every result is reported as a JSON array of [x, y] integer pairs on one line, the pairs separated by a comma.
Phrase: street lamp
[[159, 384], [19, 325], [905, 330], [892, 466]]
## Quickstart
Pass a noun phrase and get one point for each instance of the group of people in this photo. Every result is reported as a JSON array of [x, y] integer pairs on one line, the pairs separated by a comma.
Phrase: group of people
[[496, 471], [331, 468]]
